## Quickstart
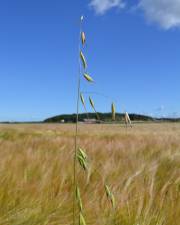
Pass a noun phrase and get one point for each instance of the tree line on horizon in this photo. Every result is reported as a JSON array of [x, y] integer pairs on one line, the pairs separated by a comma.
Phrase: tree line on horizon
[[105, 117]]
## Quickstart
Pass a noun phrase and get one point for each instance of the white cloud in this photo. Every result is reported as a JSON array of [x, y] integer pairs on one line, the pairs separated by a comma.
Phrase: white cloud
[[166, 13], [101, 6]]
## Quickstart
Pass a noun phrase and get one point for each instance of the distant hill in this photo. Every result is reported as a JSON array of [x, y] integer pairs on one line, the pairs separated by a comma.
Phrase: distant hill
[[169, 119], [105, 117]]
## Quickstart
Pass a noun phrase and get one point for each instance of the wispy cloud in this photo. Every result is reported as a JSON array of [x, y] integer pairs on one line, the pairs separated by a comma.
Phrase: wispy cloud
[[101, 6], [166, 13]]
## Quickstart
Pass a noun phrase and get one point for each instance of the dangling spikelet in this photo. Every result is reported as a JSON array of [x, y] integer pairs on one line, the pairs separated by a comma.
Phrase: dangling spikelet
[[84, 105], [82, 158], [82, 162], [88, 78], [83, 60], [81, 219], [82, 99], [127, 118], [113, 109], [108, 192], [83, 38], [112, 200], [110, 195], [91, 102], [82, 153], [93, 106], [78, 197]]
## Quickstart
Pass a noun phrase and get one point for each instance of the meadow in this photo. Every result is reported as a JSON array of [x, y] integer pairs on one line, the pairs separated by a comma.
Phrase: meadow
[[141, 166]]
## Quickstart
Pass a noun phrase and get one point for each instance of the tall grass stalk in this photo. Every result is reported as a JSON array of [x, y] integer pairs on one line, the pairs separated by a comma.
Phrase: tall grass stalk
[[76, 128]]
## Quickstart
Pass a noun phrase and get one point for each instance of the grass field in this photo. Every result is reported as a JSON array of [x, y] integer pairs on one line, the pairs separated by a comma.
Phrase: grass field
[[141, 165]]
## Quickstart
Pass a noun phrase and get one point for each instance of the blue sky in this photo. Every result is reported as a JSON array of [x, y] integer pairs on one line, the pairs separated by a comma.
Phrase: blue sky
[[133, 54]]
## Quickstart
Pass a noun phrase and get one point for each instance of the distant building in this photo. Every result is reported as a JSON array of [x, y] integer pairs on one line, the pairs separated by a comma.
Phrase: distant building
[[90, 121], [62, 121]]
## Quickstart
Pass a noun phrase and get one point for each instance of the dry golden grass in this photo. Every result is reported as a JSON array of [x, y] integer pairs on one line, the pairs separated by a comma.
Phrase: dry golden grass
[[140, 165]]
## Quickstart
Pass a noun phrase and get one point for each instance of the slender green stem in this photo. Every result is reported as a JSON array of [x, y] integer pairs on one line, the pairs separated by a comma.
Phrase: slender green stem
[[75, 164], [76, 132]]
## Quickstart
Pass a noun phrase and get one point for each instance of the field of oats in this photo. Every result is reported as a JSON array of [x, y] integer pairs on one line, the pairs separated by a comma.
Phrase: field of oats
[[141, 166]]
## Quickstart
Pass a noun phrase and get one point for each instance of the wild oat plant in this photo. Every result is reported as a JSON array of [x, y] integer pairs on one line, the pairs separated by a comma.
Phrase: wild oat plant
[[79, 154]]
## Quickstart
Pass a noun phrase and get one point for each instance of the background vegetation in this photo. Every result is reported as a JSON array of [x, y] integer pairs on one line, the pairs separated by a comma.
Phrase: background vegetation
[[141, 166], [106, 117]]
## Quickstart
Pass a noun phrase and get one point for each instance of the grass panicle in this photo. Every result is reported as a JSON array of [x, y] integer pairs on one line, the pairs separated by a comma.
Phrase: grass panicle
[[79, 154]]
